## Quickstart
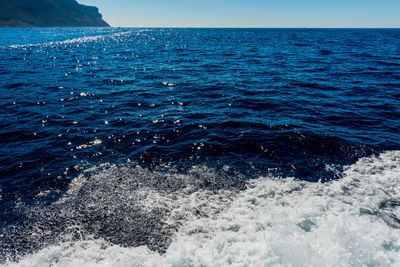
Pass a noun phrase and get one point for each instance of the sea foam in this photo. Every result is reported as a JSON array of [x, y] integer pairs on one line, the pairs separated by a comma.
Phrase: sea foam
[[353, 221]]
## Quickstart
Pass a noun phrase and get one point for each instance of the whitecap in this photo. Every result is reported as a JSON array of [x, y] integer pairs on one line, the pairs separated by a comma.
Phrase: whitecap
[[353, 221]]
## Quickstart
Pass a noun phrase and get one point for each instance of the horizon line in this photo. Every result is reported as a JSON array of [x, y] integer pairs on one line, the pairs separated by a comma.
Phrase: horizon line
[[205, 27], [248, 27]]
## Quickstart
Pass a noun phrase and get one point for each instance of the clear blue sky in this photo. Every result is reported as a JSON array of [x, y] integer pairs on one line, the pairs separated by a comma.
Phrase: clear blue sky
[[250, 13]]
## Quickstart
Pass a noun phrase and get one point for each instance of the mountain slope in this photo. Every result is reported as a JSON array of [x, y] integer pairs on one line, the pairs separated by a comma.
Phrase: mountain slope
[[49, 13]]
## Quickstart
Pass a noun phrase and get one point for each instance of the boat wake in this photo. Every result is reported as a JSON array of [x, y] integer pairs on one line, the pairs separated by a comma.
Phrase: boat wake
[[132, 216]]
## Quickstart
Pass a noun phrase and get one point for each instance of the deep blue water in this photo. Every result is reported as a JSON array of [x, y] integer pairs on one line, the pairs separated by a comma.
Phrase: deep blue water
[[297, 103]]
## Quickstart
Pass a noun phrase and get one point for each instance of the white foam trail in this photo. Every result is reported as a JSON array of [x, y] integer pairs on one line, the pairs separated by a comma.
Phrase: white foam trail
[[274, 222]]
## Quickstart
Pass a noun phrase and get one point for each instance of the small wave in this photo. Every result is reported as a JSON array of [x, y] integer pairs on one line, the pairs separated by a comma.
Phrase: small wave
[[205, 218], [388, 63]]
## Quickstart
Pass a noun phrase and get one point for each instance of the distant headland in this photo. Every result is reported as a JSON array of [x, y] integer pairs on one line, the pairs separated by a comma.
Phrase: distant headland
[[49, 13]]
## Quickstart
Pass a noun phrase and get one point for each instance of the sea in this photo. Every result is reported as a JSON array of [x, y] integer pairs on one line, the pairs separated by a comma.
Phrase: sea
[[199, 147]]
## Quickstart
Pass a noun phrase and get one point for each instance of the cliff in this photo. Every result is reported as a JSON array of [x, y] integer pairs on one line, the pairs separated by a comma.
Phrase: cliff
[[48, 13]]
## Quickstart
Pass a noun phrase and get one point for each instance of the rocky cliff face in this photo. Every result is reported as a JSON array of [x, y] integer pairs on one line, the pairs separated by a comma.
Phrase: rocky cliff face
[[49, 13]]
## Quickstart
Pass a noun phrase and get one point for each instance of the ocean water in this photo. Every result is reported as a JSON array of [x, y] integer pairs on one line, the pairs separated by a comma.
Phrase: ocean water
[[199, 147]]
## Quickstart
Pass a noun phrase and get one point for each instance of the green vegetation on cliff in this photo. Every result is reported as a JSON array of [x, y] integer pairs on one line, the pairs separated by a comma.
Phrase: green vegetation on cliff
[[48, 13]]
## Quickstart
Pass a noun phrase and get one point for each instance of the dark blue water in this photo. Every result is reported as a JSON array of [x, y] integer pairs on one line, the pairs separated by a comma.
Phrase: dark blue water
[[298, 103]]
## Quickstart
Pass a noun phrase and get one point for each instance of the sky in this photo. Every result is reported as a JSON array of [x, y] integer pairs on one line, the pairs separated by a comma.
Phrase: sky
[[250, 13]]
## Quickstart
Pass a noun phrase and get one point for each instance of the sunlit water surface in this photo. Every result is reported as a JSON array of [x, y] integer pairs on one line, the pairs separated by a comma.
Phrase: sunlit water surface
[[199, 147]]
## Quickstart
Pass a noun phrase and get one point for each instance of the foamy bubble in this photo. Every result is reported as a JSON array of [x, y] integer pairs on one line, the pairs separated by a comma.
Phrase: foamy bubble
[[353, 221]]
